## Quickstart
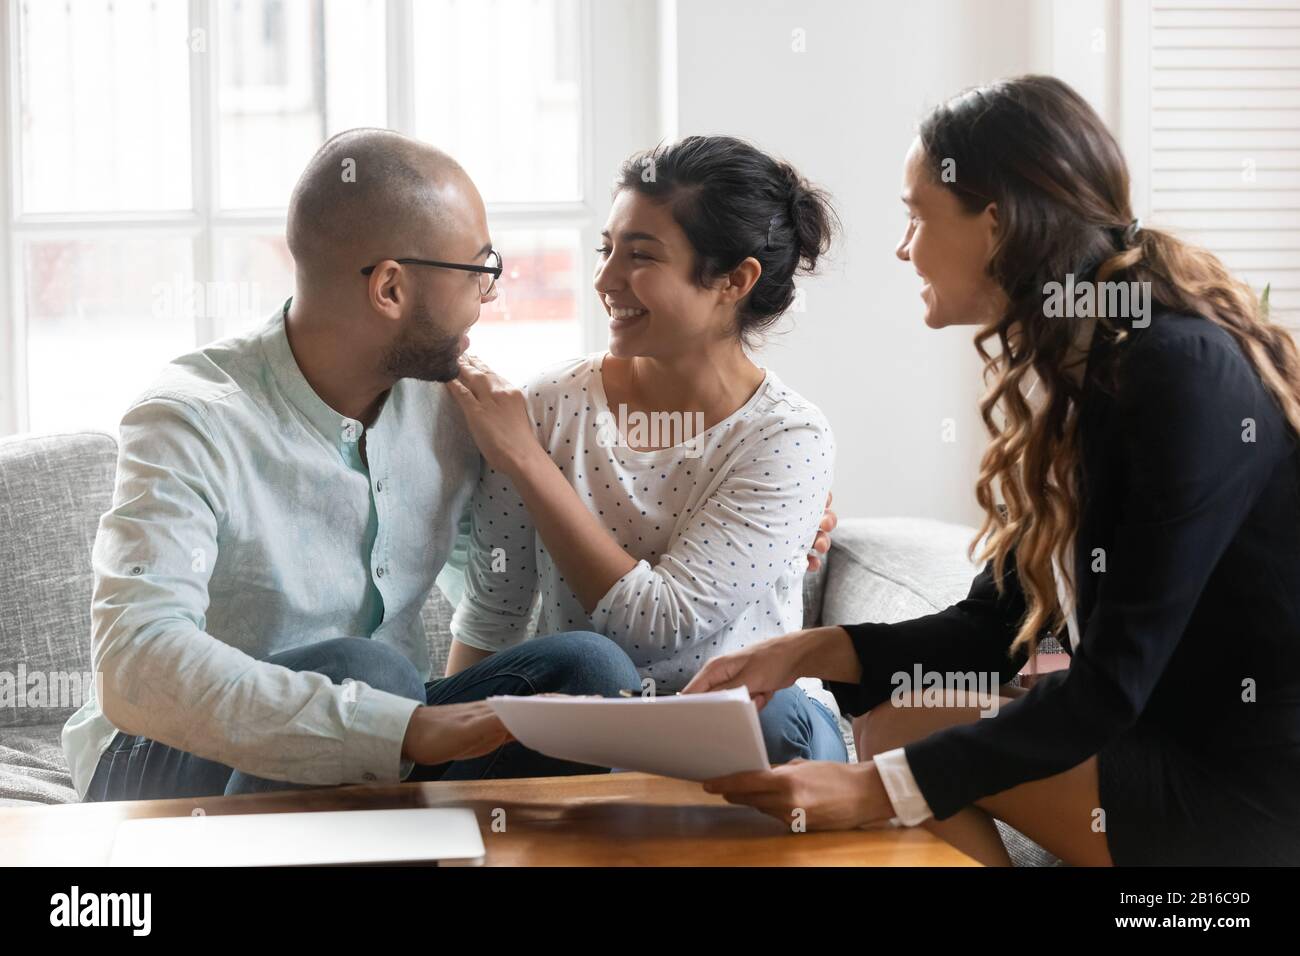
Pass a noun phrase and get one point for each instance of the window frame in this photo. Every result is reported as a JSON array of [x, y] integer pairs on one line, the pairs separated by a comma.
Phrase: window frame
[[1133, 67], [615, 120]]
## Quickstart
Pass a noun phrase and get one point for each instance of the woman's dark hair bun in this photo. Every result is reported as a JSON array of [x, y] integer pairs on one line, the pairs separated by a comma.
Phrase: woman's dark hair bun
[[812, 216], [734, 201]]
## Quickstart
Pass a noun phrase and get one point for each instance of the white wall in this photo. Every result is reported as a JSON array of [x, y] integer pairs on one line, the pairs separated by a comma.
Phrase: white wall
[[844, 112]]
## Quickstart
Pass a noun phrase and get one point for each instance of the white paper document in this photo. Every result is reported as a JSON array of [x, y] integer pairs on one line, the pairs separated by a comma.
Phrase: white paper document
[[445, 834], [691, 736]]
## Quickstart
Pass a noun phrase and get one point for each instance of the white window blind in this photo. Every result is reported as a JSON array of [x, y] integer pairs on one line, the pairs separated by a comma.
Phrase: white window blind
[[1224, 136]]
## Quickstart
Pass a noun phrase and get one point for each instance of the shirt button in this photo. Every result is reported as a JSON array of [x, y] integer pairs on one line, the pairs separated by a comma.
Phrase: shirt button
[[367, 776], [379, 485], [379, 572], [136, 569]]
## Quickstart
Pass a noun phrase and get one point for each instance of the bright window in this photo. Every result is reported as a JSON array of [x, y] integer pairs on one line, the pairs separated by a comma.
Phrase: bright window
[[153, 146]]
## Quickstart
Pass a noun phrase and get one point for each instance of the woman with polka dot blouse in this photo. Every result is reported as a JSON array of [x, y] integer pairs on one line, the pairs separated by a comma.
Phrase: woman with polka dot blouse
[[665, 493]]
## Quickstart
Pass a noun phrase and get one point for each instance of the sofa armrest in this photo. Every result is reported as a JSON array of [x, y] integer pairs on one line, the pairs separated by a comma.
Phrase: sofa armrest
[[895, 569]]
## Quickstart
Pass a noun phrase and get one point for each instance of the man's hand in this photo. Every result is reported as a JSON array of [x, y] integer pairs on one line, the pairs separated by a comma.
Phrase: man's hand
[[822, 540], [453, 732], [831, 795]]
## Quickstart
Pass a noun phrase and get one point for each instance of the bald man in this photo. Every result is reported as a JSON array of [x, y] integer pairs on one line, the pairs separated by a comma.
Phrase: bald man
[[284, 502]]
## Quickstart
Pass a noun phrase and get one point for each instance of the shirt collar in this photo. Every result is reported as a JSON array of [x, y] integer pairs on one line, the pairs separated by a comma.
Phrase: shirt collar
[[338, 429]]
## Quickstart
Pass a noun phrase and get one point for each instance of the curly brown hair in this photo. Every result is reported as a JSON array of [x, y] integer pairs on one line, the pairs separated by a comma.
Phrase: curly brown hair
[[1034, 146]]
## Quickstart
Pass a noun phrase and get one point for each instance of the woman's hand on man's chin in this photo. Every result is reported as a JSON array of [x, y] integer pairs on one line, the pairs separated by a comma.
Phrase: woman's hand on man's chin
[[497, 415], [811, 794]]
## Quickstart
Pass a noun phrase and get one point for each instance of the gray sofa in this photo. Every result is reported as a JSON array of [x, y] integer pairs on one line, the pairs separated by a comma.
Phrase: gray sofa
[[53, 488]]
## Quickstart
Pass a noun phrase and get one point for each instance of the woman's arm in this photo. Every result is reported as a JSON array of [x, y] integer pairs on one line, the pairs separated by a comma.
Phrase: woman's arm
[[1189, 480], [754, 527], [730, 550], [972, 636], [497, 415], [581, 547], [495, 611], [860, 661], [768, 666]]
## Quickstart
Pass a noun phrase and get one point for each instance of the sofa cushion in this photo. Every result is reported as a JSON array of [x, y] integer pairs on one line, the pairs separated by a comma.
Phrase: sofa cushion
[[895, 569], [32, 768], [54, 489]]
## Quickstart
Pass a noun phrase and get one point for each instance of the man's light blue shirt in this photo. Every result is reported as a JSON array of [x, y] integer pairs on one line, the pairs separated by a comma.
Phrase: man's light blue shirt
[[244, 523]]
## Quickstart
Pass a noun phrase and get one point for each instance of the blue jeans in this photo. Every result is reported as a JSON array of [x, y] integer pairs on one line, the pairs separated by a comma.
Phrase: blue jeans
[[579, 662], [795, 725]]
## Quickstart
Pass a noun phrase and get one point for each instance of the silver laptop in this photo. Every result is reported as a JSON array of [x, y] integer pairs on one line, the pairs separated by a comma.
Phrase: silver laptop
[[449, 836]]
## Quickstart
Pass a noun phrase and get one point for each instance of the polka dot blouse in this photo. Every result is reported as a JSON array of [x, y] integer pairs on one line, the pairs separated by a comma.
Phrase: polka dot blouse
[[720, 527]]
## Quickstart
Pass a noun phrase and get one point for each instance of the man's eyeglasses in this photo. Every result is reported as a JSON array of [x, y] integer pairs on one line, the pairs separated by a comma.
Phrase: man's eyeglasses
[[489, 272]]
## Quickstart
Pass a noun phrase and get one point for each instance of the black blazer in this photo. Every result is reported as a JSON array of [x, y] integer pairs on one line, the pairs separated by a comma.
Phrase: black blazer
[[1200, 594]]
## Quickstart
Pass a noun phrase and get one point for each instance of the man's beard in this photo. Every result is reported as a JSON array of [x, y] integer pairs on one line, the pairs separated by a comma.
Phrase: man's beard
[[423, 352]]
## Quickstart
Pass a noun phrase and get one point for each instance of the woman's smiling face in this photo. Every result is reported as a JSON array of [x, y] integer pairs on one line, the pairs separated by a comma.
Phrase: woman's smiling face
[[645, 280], [948, 246]]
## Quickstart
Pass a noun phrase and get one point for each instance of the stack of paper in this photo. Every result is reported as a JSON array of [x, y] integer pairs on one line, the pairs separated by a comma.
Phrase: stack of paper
[[691, 736]]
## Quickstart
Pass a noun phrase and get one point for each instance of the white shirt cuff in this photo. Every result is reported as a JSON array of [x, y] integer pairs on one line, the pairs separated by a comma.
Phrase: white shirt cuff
[[372, 749], [910, 806]]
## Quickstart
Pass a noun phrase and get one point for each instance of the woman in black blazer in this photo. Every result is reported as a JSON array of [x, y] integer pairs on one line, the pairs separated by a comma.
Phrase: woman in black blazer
[[1141, 492]]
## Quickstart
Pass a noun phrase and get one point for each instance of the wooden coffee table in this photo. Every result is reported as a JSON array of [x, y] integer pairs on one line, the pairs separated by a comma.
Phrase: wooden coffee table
[[624, 819]]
